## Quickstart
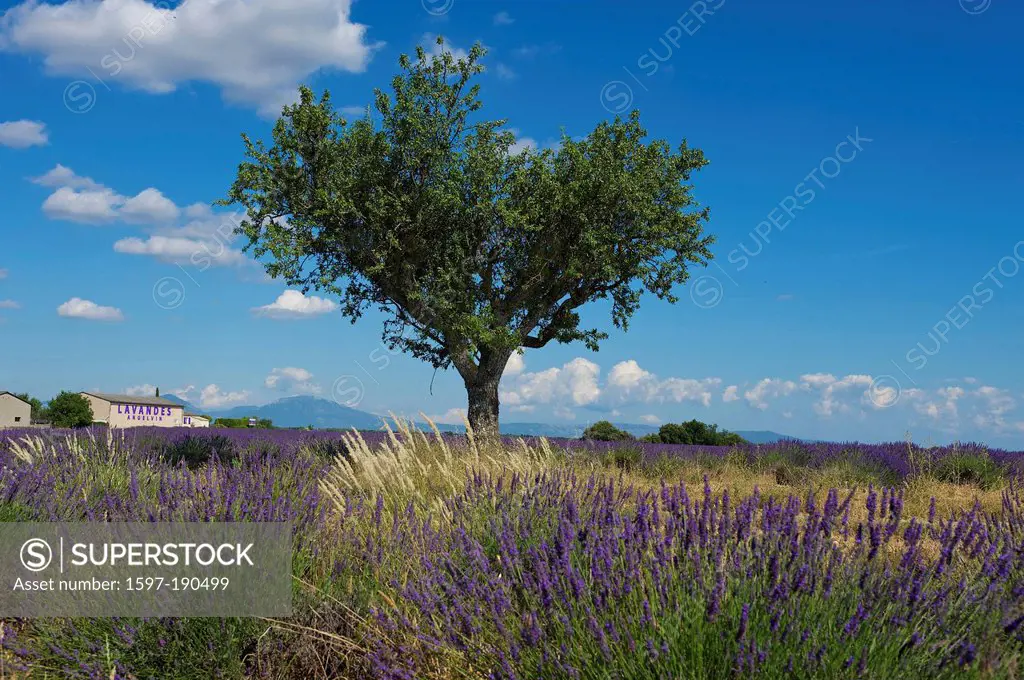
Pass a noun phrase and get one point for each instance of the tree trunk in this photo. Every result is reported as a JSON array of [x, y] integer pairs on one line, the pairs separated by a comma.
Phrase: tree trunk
[[483, 406]]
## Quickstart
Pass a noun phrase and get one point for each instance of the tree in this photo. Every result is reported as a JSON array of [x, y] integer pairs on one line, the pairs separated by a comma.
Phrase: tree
[[604, 431], [471, 248], [38, 410], [68, 409], [694, 432]]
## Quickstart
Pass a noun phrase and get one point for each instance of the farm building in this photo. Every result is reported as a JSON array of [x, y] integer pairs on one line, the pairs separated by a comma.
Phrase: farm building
[[121, 410], [192, 420], [14, 411]]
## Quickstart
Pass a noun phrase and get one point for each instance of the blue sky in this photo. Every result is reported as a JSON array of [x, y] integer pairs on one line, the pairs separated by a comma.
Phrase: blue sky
[[864, 187]]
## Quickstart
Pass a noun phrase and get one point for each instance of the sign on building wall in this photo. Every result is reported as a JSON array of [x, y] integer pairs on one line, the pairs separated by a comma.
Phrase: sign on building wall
[[139, 412]]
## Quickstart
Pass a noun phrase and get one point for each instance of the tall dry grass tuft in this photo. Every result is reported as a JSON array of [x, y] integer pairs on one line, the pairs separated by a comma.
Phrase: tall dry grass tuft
[[412, 467]]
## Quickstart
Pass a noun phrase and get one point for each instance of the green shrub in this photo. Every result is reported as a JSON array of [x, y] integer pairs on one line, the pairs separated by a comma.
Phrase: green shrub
[[604, 431], [195, 450], [694, 432], [968, 468], [625, 458]]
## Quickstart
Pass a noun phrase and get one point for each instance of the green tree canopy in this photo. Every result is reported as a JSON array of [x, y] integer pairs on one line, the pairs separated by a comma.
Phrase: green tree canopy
[[694, 432], [471, 248], [69, 409], [604, 431]]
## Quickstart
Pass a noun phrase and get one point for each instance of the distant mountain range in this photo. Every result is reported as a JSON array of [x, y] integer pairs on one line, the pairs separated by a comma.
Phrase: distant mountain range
[[326, 414]]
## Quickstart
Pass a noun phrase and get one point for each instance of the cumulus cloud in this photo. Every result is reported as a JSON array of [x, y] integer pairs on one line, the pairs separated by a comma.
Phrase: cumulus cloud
[[768, 388], [147, 207], [292, 304], [9, 304], [831, 387], [516, 365], [503, 18], [156, 50], [86, 206], [575, 382], [453, 416], [731, 393], [650, 419], [78, 308], [293, 380], [81, 199], [628, 382], [995, 404], [63, 176], [212, 396], [179, 250], [145, 390], [21, 134]]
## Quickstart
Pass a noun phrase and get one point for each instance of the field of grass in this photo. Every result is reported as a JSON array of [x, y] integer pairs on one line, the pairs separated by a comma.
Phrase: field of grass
[[422, 556]]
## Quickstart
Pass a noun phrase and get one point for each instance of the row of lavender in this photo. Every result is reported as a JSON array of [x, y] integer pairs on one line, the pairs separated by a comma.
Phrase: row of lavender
[[900, 458], [550, 576]]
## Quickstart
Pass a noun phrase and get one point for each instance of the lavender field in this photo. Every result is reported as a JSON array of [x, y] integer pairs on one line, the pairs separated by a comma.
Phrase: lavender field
[[420, 556]]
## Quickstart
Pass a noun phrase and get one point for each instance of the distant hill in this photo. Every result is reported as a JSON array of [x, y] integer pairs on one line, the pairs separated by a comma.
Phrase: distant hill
[[323, 414], [303, 411], [189, 408]]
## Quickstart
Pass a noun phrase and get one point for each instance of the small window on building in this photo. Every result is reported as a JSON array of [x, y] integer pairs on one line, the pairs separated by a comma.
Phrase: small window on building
[[17, 419]]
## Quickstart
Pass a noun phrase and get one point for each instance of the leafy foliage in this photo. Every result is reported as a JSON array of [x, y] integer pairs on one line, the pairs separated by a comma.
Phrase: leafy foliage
[[196, 450], [968, 467], [69, 409], [471, 249], [604, 431], [694, 432]]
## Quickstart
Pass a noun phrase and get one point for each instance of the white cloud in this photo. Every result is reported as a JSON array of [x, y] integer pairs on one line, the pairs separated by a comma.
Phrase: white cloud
[[179, 250], [628, 382], [3, 274], [503, 19], [157, 50], [453, 416], [80, 199], [21, 134], [292, 304], [516, 365], [768, 388], [354, 111], [183, 392], [830, 387], [293, 380], [63, 176], [149, 207], [86, 309], [9, 304], [145, 390], [575, 381], [650, 419], [88, 206], [944, 409], [731, 393], [211, 396], [997, 403]]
